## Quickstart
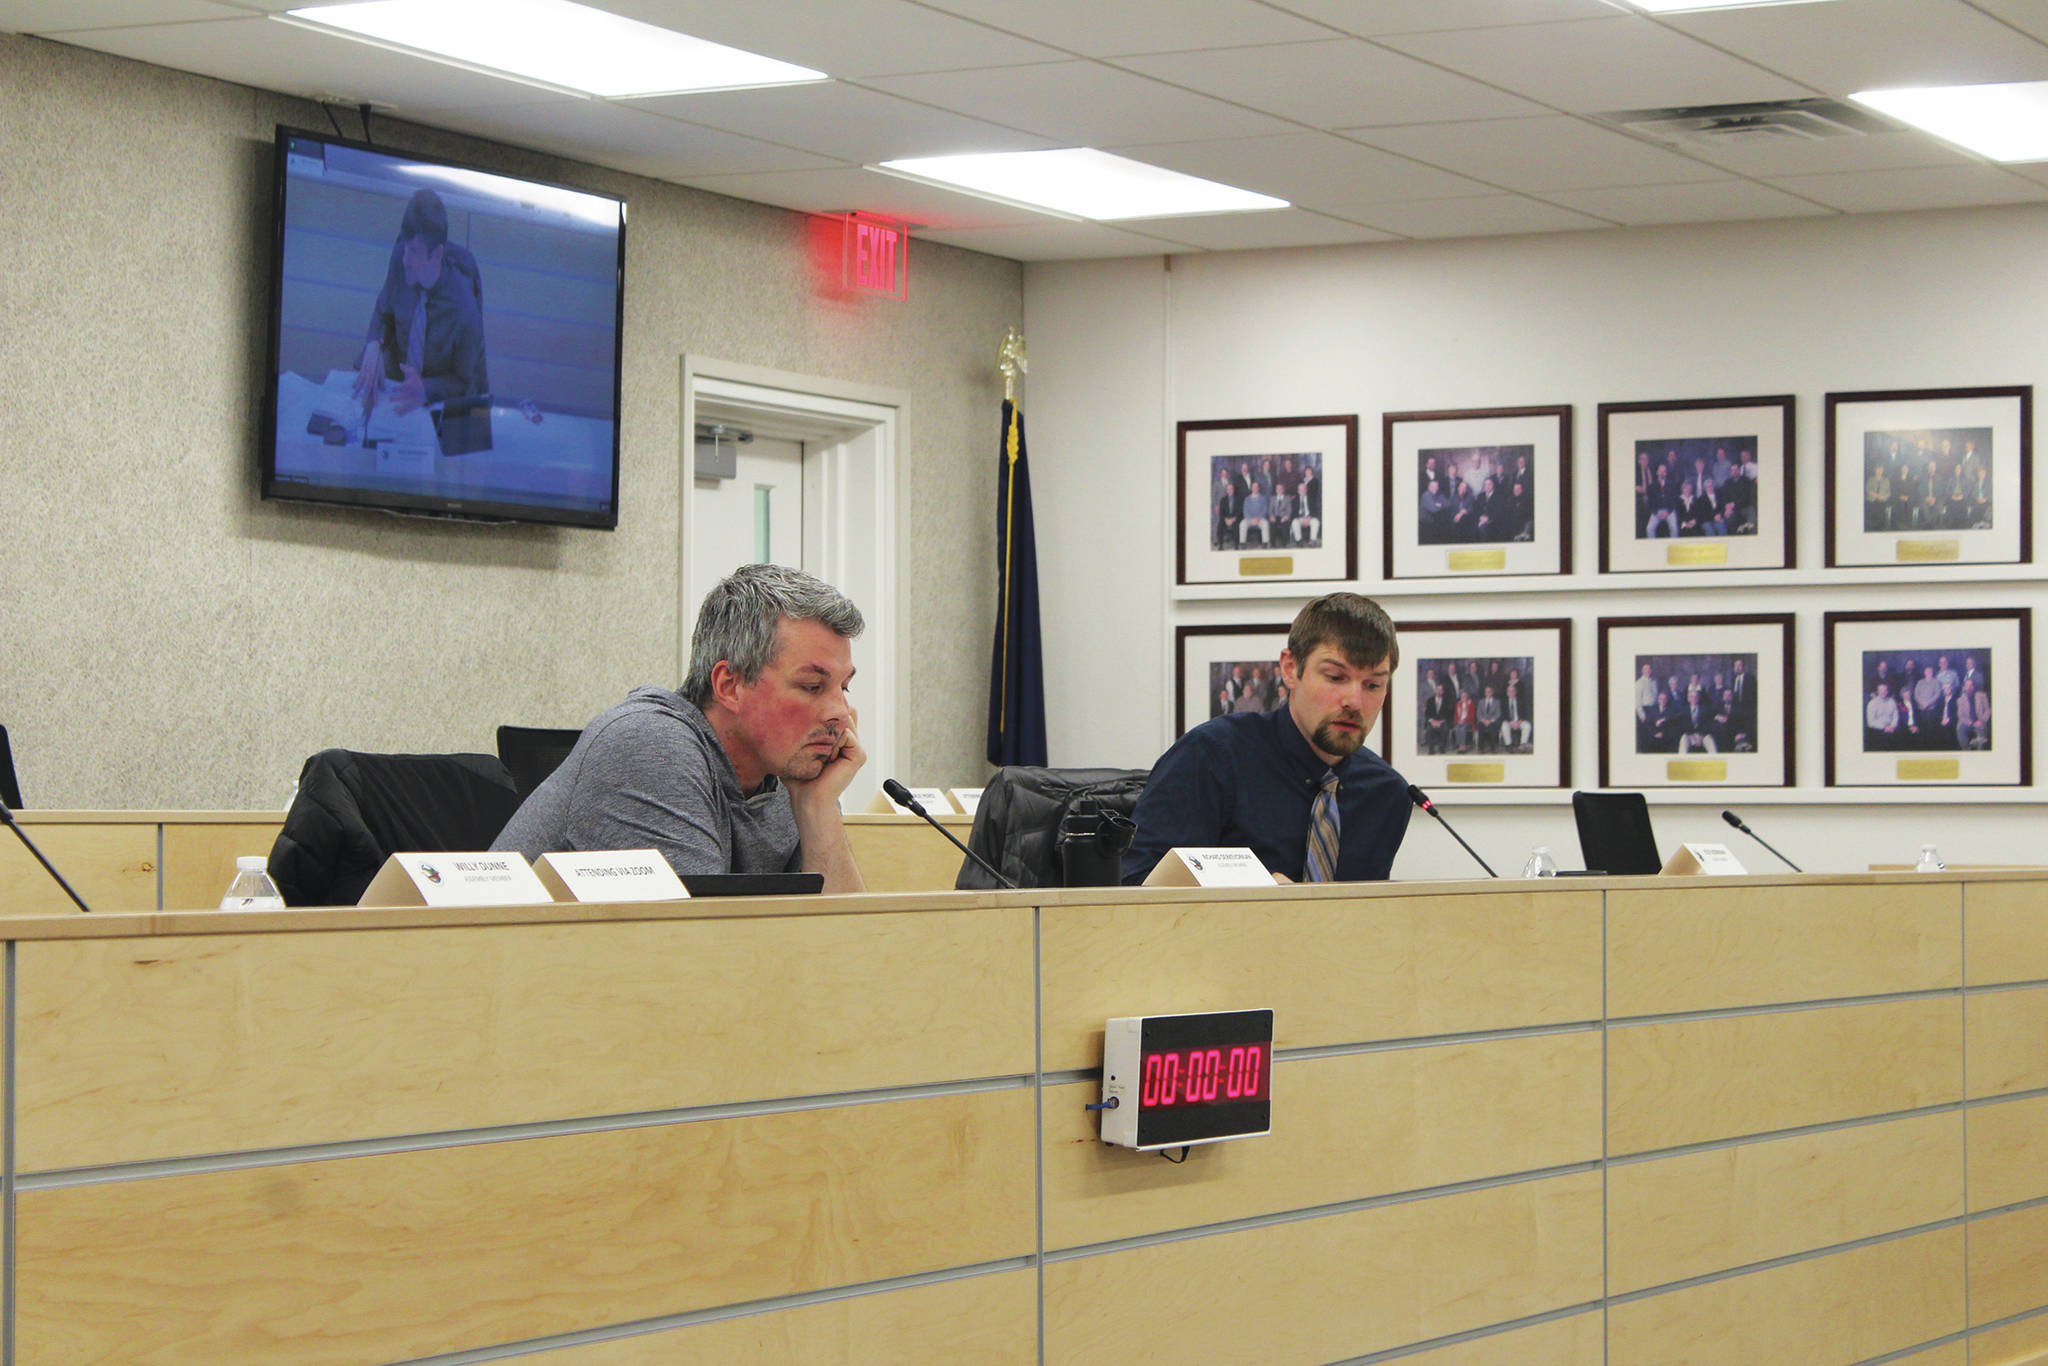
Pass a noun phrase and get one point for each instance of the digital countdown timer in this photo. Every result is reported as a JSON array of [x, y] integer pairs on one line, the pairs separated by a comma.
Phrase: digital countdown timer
[[1173, 1080]]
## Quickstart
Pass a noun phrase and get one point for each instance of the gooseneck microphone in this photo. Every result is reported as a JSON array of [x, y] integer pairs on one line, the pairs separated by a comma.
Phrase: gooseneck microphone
[[1421, 799], [1736, 821], [48, 867], [900, 795]]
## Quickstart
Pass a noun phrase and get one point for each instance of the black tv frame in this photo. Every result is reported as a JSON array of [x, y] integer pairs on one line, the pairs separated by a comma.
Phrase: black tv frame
[[403, 504]]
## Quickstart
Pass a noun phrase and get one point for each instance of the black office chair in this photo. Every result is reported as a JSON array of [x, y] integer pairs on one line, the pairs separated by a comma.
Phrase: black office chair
[[533, 752], [353, 811], [1017, 826], [10, 791]]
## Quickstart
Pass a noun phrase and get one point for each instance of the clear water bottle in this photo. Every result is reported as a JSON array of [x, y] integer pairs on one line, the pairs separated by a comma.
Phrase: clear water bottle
[[1540, 863], [1930, 862], [252, 889]]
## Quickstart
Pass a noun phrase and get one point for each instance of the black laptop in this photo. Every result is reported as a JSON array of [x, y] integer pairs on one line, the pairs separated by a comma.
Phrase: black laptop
[[1614, 832]]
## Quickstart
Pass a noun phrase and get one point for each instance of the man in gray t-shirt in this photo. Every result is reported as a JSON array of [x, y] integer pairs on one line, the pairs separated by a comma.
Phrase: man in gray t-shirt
[[741, 770]]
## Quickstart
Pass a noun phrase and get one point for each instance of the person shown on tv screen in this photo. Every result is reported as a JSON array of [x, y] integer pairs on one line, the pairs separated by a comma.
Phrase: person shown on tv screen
[[1295, 785], [426, 331], [739, 772]]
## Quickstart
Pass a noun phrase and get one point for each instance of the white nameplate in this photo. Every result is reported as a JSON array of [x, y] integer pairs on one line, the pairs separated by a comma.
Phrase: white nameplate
[[455, 879], [968, 799], [932, 799], [1704, 860], [610, 875], [1209, 868]]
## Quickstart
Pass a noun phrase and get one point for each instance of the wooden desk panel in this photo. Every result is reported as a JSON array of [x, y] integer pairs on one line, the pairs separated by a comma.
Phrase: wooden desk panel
[[151, 1048], [1345, 1128], [114, 867], [1693, 1081], [2005, 1031], [1715, 948], [1576, 1341], [199, 858], [1825, 1311], [2015, 1344], [2008, 1268], [2006, 931], [1320, 1290], [903, 854], [2008, 1159], [1333, 970], [389, 1257], [983, 1320], [1673, 1218]]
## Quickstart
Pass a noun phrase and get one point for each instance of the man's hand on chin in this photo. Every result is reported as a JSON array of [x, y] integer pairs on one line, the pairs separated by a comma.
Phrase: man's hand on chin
[[837, 775]]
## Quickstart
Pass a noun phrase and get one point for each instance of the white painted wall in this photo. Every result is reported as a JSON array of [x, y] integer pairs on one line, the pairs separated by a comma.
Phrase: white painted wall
[[1124, 349]]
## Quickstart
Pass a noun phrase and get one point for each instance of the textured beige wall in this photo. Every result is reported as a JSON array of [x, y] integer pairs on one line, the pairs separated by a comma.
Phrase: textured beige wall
[[170, 640]]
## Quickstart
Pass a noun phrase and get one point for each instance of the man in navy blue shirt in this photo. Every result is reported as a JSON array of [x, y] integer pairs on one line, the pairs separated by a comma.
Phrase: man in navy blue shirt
[[1251, 779]]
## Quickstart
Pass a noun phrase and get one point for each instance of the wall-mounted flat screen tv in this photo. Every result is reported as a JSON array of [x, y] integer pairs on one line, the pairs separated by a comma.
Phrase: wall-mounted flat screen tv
[[444, 340]]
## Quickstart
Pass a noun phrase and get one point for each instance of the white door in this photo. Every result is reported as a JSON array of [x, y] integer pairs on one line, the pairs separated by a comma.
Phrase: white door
[[755, 517]]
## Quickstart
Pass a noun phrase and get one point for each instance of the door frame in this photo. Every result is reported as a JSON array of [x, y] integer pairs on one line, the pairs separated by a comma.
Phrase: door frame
[[853, 506]]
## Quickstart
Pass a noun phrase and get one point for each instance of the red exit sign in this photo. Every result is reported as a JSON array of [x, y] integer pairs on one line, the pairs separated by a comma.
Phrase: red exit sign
[[877, 256]]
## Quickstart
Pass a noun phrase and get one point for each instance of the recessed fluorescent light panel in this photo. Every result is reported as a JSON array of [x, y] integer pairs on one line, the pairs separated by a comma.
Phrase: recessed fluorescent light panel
[[1686, 6], [2007, 122], [1080, 182], [556, 43]]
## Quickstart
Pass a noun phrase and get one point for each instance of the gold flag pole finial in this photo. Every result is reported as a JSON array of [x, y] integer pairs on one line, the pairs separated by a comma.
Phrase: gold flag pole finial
[[1011, 361]]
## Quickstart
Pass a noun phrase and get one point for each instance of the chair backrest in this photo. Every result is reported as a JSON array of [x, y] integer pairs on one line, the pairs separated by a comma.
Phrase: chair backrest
[[1016, 825], [10, 792], [533, 752], [353, 811], [1614, 833]]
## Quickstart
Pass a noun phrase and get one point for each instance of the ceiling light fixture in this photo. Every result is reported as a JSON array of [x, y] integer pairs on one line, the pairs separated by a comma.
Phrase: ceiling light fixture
[[1688, 6], [1080, 183], [553, 43], [2006, 122]]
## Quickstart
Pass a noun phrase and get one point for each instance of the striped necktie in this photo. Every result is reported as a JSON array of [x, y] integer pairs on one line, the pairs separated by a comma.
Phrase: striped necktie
[[416, 335], [1321, 864]]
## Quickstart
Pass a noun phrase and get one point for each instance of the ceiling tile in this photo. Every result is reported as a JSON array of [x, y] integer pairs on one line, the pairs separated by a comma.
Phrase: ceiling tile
[[1594, 65], [274, 56], [1241, 231], [851, 188], [1425, 16], [1082, 104], [845, 38], [1091, 28], [1311, 170], [1539, 155], [1714, 201], [68, 16], [1488, 216], [1052, 242], [1873, 44], [626, 138], [1938, 187], [2029, 16], [1340, 83], [844, 122]]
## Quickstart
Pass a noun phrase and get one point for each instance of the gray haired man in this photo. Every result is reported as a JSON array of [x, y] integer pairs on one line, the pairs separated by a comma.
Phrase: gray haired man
[[739, 772]]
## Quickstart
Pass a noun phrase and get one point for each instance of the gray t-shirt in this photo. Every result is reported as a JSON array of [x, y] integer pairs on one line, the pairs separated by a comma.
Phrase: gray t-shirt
[[650, 773]]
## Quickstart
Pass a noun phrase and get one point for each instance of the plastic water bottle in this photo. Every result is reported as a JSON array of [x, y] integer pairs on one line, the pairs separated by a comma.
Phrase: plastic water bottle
[[1930, 862], [252, 889], [1540, 863]]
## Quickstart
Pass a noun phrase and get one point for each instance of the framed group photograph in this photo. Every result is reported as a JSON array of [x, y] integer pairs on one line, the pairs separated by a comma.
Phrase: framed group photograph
[[1480, 492], [1481, 704], [1696, 484], [1930, 477], [1267, 500], [1935, 699], [1224, 669], [1696, 701]]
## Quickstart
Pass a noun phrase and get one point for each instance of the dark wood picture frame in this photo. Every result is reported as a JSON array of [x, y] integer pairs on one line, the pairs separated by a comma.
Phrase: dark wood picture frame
[[1333, 560], [1548, 552], [1768, 717], [1549, 709], [1775, 545], [1848, 538], [1271, 638], [1848, 764]]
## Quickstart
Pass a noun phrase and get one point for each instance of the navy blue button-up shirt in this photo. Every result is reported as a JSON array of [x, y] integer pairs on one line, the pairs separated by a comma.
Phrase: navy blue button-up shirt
[[1247, 779]]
